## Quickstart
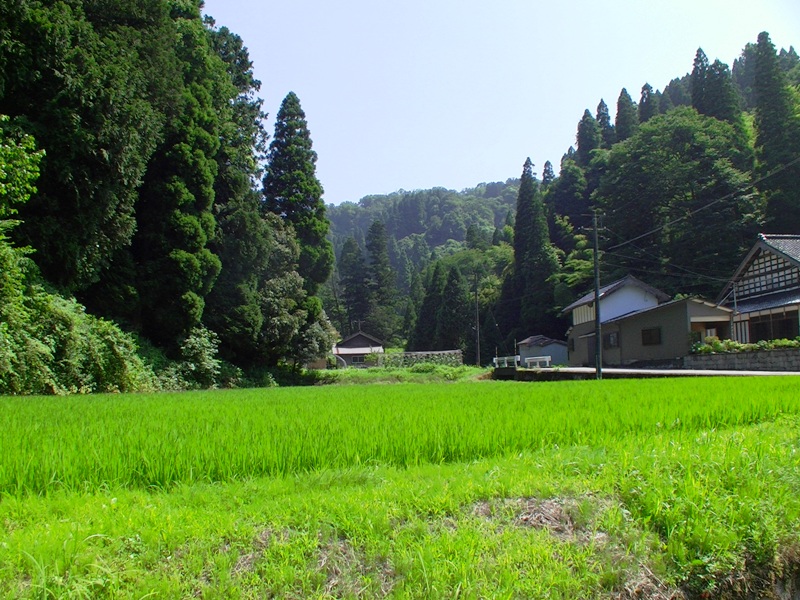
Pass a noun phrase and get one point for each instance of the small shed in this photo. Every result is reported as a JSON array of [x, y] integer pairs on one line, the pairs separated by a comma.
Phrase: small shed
[[541, 346], [353, 350]]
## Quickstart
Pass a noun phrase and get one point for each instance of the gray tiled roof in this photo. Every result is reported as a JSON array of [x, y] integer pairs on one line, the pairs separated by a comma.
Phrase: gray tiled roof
[[613, 287], [767, 302], [786, 244]]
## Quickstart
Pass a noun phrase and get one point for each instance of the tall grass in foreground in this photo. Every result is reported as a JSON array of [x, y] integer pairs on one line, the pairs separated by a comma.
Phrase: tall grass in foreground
[[158, 440]]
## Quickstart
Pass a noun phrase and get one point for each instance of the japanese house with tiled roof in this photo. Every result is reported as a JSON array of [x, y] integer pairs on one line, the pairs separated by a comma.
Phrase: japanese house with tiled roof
[[764, 291], [640, 324], [353, 351]]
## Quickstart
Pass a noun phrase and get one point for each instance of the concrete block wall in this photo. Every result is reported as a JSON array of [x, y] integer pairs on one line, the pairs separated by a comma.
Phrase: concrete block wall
[[762, 360]]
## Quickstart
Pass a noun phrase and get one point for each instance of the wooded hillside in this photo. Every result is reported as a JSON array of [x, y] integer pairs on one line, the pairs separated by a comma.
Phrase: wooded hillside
[[681, 181]]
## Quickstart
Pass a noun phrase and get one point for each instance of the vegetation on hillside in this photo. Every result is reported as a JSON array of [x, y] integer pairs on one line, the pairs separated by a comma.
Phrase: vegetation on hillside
[[682, 181]]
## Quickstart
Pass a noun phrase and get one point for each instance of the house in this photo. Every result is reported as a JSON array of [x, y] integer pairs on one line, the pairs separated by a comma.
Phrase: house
[[625, 296], [538, 346], [640, 324], [662, 333], [764, 292], [354, 350]]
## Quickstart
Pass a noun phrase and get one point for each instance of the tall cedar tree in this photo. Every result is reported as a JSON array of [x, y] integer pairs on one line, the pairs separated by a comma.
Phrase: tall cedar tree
[[777, 140], [423, 336], [383, 319], [527, 302], [698, 81], [648, 104], [355, 284], [606, 126], [588, 138], [454, 317], [175, 268], [627, 120], [293, 192]]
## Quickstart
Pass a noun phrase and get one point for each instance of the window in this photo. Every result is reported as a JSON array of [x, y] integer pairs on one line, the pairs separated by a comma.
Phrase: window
[[357, 360], [611, 340], [651, 336]]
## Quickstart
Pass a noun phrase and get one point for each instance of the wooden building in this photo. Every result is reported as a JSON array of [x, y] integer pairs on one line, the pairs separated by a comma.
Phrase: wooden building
[[764, 292]]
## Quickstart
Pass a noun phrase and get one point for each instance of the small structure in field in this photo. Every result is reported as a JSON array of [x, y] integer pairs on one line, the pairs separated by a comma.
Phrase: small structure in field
[[355, 350], [542, 351]]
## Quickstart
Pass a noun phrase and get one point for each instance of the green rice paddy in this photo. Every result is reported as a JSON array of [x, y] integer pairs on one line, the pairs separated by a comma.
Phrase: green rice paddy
[[482, 489]]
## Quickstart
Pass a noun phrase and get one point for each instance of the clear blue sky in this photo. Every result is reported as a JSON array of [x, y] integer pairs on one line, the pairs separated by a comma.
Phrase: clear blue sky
[[422, 93]]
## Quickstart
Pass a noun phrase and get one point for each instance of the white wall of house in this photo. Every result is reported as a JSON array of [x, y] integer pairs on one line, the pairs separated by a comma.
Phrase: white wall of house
[[620, 302]]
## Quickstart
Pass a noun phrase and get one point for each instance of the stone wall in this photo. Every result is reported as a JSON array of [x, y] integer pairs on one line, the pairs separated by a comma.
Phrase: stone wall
[[450, 358], [762, 360]]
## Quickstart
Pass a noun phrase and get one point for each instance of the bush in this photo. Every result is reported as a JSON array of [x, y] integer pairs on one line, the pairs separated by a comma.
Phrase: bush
[[713, 345]]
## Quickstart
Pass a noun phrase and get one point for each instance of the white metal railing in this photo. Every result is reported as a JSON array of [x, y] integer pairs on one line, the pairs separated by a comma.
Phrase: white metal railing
[[537, 362], [506, 361]]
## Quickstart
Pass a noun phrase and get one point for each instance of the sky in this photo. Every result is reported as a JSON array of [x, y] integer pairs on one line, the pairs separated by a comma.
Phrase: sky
[[415, 94]]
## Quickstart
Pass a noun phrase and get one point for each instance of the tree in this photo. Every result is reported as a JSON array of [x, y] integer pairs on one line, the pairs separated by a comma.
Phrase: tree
[[548, 174], [382, 319], [589, 138], [293, 192], [175, 267], [355, 283], [698, 81], [627, 120], [648, 104], [85, 86], [607, 132], [681, 176], [454, 316], [777, 140], [423, 336]]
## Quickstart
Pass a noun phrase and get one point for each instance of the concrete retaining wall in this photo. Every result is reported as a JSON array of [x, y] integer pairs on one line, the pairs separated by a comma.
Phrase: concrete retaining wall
[[763, 360]]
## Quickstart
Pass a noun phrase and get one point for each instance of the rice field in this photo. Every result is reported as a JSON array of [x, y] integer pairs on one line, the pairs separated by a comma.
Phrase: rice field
[[680, 489], [86, 443]]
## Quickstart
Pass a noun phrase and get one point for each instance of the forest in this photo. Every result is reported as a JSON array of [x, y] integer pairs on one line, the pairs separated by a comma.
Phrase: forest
[[681, 182], [154, 235]]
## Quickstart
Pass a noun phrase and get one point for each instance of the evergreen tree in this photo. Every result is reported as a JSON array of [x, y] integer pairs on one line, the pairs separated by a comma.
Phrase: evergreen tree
[[423, 336], [175, 267], [568, 195], [293, 192], [524, 221], [648, 104], [607, 132], [721, 101], [627, 120], [698, 80], [744, 75], [454, 316], [355, 284], [548, 174], [678, 93], [382, 320], [589, 138], [777, 140]]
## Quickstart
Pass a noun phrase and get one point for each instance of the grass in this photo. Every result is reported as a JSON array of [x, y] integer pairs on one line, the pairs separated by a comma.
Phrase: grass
[[490, 489]]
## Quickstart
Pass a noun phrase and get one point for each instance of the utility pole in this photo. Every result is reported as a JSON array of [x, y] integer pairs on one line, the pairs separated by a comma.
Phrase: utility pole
[[477, 326], [598, 336]]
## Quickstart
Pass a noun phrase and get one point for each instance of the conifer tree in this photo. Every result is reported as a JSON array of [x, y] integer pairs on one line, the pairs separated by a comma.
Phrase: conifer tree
[[453, 319], [588, 138], [548, 174], [648, 104], [293, 192], [698, 81], [627, 120], [607, 132], [777, 140], [355, 283]]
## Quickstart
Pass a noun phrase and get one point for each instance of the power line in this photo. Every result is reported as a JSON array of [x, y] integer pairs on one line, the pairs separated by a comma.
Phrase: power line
[[709, 205]]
